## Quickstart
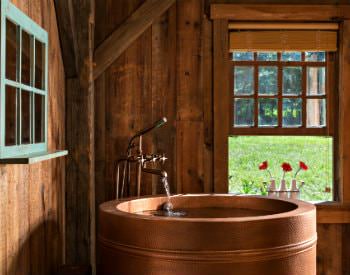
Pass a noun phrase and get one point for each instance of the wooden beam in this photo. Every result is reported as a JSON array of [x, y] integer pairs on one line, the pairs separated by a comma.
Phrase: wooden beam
[[333, 213], [121, 38], [269, 12], [344, 111], [68, 39], [76, 21], [282, 26], [221, 102]]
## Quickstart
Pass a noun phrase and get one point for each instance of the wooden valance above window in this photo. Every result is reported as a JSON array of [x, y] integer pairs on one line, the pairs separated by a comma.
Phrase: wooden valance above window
[[294, 37]]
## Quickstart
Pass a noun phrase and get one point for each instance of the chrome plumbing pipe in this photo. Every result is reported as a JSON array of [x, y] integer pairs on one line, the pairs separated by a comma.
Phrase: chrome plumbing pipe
[[139, 159]]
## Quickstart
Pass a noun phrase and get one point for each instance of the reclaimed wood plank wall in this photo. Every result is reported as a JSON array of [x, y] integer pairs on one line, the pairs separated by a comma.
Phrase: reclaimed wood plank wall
[[168, 72], [32, 196]]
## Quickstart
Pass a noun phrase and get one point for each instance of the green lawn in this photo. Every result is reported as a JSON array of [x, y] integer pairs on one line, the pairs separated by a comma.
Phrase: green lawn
[[246, 152]]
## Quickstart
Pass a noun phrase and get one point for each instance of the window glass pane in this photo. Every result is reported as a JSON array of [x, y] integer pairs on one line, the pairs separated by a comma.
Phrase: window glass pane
[[268, 80], [244, 80], [39, 65], [25, 119], [11, 51], [316, 80], [292, 112], [247, 152], [291, 56], [292, 80], [315, 56], [268, 112], [244, 112], [243, 56], [316, 113], [26, 58], [39, 118], [10, 116], [267, 56]]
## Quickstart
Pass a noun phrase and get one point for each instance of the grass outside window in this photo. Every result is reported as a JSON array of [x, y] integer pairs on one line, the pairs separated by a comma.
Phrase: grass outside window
[[246, 152]]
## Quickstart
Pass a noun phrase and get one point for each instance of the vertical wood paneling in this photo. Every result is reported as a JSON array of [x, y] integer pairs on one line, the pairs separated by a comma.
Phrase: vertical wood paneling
[[189, 156], [164, 90], [221, 101], [206, 75], [123, 86], [78, 241], [80, 177], [344, 101], [189, 96], [101, 189], [329, 249], [178, 61], [31, 218], [346, 249], [3, 219], [190, 142]]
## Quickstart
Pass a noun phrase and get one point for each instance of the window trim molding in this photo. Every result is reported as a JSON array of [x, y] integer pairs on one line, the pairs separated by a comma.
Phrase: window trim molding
[[280, 12], [11, 12], [221, 14]]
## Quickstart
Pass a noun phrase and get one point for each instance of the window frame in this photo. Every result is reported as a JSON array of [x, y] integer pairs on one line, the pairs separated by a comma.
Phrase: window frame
[[12, 13], [222, 15], [330, 97]]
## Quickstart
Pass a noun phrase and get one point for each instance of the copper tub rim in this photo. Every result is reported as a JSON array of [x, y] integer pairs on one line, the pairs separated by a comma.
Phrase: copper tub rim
[[301, 208]]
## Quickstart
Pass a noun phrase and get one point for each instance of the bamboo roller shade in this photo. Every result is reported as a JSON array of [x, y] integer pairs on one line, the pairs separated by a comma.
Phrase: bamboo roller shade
[[286, 40]]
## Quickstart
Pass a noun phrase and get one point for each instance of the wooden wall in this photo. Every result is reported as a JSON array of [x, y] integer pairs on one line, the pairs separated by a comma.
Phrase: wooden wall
[[31, 196], [168, 72]]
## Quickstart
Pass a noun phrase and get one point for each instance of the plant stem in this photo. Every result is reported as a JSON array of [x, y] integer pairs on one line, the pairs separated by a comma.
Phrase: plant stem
[[269, 173], [296, 173]]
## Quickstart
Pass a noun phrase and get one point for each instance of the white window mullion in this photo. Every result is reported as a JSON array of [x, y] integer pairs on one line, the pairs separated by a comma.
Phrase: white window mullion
[[19, 91], [32, 94]]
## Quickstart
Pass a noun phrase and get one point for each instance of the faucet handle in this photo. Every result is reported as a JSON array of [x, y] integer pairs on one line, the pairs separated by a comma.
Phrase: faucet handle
[[163, 159]]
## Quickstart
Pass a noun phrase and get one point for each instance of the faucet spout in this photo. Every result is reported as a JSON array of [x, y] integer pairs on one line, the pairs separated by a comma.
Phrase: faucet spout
[[158, 172]]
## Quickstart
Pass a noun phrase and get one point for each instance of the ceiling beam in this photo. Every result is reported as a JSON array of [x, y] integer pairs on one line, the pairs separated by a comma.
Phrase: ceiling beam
[[128, 32], [68, 39], [279, 12]]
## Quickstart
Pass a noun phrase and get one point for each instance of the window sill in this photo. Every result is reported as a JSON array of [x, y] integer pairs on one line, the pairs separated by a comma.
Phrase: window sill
[[35, 157], [333, 212]]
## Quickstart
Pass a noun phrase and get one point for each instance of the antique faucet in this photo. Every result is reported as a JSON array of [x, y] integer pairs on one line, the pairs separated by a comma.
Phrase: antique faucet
[[135, 155]]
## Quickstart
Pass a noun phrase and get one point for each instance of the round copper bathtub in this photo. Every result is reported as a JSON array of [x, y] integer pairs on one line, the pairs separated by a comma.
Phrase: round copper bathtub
[[222, 234]]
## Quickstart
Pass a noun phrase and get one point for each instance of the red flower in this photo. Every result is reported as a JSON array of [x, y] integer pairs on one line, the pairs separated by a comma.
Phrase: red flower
[[286, 167], [303, 166], [263, 165]]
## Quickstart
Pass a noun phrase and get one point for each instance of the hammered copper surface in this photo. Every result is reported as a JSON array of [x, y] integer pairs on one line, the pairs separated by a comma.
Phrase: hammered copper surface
[[280, 241]]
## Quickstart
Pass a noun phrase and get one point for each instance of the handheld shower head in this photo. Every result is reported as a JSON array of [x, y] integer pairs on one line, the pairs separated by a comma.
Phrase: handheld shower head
[[155, 125], [144, 131]]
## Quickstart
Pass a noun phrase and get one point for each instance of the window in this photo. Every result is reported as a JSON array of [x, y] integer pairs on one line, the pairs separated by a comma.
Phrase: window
[[283, 104], [280, 93], [24, 91], [277, 96]]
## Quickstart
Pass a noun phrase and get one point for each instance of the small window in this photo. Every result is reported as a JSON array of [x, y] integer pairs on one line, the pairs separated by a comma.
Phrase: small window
[[280, 93], [24, 47]]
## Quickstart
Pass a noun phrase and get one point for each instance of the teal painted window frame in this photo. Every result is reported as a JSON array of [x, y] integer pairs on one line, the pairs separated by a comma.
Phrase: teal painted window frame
[[12, 13]]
